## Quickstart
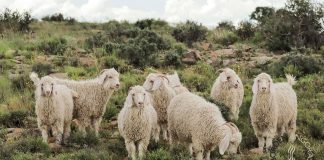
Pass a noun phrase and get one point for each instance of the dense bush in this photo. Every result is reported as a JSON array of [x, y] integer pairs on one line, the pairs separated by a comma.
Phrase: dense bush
[[78, 138], [143, 50], [30, 144], [113, 62], [42, 69], [299, 64], [56, 46], [298, 25], [150, 23], [13, 20], [224, 37], [173, 59], [13, 119], [95, 41], [58, 17], [189, 32], [228, 25], [245, 30]]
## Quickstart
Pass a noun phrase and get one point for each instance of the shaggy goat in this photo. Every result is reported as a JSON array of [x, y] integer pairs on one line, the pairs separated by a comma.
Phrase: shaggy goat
[[137, 122], [228, 89], [273, 109], [162, 93], [94, 95], [199, 123], [54, 107]]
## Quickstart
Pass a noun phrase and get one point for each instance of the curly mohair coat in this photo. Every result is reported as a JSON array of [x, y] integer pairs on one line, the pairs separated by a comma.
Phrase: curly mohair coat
[[228, 89], [273, 109], [94, 95], [137, 122], [195, 121], [54, 107], [161, 93], [175, 83]]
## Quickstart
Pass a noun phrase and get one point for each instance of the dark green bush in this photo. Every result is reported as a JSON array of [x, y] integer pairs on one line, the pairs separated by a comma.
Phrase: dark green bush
[[21, 82], [303, 64], [56, 46], [15, 21], [26, 145], [42, 69], [189, 32], [173, 59], [224, 37], [95, 41], [90, 140], [160, 154], [13, 119], [228, 25], [113, 62], [245, 30], [143, 50]]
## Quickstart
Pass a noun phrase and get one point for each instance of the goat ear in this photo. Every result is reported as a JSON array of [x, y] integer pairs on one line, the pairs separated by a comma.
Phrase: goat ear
[[157, 83], [34, 77], [223, 77], [255, 87], [223, 145], [129, 100]]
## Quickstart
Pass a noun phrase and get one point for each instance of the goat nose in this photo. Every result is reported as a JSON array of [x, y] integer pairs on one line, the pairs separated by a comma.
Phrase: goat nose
[[236, 85], [140, 103], [264, 88], [117, 85]]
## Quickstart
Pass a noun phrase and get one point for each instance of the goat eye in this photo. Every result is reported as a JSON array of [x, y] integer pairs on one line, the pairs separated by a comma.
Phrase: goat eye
[[151, 81], [133, 94], [110, 77], [258, 80], [144, 94]]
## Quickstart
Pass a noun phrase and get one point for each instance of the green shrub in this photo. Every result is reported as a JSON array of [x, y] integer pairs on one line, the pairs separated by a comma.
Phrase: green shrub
[[110, 47], [95, 41], [28, 156], [173, 59], [15, 21], [245, 30], [87, 154], [5, 65], [21, 82], [111, 111], [14, 119], [113, 62], [75, 72], [228, 25], [90, 140], [311, 122], [26, 147], [223, 37], [56, 46], [143, 50], [189, 32], [160, 154], [5, 89], [302, 65], [42, 69]]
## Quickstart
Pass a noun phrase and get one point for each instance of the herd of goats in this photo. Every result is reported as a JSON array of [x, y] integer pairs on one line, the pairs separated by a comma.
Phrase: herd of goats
[[163, 104]]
